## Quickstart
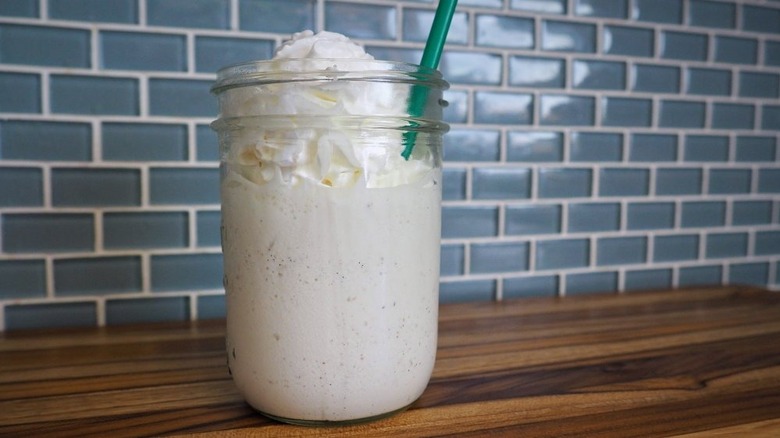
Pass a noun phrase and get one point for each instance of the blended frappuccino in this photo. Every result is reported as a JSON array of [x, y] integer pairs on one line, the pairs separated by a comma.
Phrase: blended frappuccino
[[330, 237]]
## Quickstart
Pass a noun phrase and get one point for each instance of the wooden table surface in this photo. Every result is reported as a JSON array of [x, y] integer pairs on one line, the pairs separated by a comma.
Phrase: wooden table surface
[[692, 362]]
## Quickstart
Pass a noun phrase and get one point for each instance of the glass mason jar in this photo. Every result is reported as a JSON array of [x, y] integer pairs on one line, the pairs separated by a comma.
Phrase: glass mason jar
[[331, 238]]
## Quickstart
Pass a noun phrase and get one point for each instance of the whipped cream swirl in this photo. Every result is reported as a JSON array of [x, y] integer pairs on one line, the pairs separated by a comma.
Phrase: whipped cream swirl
[[330, 130]]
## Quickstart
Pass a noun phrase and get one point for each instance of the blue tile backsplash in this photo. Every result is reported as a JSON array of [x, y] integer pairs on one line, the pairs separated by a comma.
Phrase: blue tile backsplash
[[595, 146]]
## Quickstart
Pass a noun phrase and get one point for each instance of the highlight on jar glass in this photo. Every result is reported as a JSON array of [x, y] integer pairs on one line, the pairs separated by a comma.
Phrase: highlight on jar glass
[[330, 231]]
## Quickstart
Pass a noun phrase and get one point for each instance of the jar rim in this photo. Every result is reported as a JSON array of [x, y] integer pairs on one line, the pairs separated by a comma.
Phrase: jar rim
[[345, 122], [310, 70]]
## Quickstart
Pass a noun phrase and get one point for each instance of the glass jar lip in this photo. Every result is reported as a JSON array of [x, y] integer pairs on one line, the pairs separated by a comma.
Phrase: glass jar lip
[[311, 70]]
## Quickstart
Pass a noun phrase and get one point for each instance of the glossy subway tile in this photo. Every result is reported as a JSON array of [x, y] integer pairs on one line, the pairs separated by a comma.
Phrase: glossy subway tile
[[181, 97], [562, 253], [183, 186], [658, 11], [524, 220], [561, 36], [472, 145], [45, 140], [755, 274], [736, 50], [144, 142], [655, 78], [673, 248], [624, 182], [760, 19], [684, 46], [534, 146], [145, 230], [51, 315], [498, 107], [755, 148], [536, 72], [282, 16], [751, 213], [361, 20], [147, 310], [502, 31], [733, 116], [729, 181], [501, 183], [767, 242], [116, 11], [565, 183], [47, 232], [621, 250], [211, 307], [768, 180], [678, 181], [770, 119], [20, 8], [700, 276], [213, 53], [206, 14], [182, 272], [598, 75], [454, 182], [601, 8], [97, 276], [457, 109], [628, 41], [469, 290], [54, 46], [536, 286], [622, 111], [723, 245], [75, 94], [590, 282], [648, 279], [495, 4], [471, 221], [682, 114], [22, 279], [21, 187], [706, 148], [207, 233], [757, 84], [703, 214], [590, 217], [595, 147], [72, 187], [707, 81], [20, 92], [714, 14], [650, 215], [142, 51], [206, 145], [653, 147], [772, 53], [453, 258], [566, 110], [417, 24], [541, 6], [499, 257], [471, 68]]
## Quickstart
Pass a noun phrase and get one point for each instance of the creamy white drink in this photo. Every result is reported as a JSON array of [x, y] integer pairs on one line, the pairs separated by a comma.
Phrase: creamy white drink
[[330, 238]]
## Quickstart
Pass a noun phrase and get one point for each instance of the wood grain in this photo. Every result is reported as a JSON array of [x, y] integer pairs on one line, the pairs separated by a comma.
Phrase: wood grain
[[690, 363]]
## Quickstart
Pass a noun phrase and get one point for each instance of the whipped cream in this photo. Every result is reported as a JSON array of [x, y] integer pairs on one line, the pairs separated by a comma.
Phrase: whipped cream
[[291, 139], [323, 45]]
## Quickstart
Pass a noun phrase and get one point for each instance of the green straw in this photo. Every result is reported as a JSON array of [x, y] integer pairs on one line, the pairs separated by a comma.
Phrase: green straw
[[430, 58]]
